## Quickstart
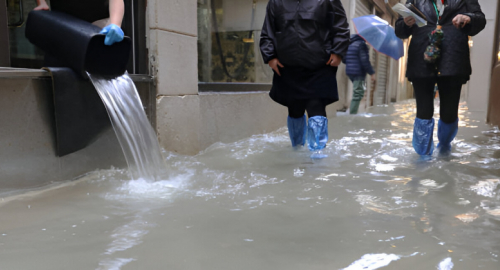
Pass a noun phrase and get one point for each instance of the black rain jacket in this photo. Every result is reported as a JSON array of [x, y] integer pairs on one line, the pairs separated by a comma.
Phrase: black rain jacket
[[304, 33], [455, 55]]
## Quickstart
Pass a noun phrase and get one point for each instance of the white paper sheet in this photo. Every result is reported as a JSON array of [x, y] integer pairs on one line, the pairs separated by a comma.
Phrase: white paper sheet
[[405, 12]]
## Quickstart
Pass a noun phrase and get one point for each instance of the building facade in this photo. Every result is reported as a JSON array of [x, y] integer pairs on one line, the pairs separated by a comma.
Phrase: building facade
[[203, 60], [201, 78]]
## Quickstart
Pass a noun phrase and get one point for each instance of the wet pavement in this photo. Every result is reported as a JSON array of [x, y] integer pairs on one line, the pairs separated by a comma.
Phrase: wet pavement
[[257, 204]]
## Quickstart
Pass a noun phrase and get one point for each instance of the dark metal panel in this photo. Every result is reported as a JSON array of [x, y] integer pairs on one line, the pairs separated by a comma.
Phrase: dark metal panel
[[27, 158], [141, 55], [134, 26], [4, 36], [144, 84]]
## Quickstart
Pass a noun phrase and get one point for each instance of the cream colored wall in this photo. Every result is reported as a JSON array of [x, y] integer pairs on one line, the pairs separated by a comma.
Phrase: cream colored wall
[[481, 60], [173, 62], [228, 117]]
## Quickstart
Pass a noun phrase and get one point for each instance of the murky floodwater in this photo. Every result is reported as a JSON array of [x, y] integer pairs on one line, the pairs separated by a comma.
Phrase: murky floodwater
[[257, 204]]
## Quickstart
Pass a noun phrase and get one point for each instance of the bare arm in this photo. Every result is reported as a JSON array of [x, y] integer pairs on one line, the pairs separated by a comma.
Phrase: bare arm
[[113, 30], [116, 11], [42, 5]]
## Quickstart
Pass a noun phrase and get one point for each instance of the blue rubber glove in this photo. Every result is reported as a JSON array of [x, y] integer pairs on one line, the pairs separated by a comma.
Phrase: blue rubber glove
[[113, 34]]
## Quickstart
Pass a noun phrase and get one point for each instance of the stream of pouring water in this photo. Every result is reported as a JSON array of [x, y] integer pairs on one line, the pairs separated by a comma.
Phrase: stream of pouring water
[[135, 134]]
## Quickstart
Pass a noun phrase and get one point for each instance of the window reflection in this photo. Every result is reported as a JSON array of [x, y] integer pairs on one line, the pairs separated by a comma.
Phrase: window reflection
[[23, 54], [228, 41]]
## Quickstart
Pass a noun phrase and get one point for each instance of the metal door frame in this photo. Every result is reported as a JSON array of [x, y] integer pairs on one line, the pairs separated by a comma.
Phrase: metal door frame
[[134, 24], [4, 36]]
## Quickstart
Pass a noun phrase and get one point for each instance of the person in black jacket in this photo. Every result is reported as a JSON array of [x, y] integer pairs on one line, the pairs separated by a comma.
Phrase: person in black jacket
[[459, 19], [357, 62], [304, 41]]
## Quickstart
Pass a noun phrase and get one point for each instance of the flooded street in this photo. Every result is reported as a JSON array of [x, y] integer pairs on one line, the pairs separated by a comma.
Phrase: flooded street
[[257, 204]]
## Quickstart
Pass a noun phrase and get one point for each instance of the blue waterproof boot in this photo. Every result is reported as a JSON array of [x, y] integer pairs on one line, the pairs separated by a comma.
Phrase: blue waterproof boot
[[317, 136], [423, 130], [446, 134], [297, 128]]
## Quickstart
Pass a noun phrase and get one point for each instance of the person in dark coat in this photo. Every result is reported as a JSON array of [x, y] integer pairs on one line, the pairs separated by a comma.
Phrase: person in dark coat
[[459, 19], [358, 64], [304, 41]]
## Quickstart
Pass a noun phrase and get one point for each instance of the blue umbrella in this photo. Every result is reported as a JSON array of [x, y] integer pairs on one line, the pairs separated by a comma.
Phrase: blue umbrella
[[380, 35]]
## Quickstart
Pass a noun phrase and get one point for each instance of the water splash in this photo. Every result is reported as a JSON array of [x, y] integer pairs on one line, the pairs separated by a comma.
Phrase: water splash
[[135, 134], [446, 264], [373, 261]]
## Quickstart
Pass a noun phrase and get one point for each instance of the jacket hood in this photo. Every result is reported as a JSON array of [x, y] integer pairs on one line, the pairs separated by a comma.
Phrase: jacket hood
[[355, 38]]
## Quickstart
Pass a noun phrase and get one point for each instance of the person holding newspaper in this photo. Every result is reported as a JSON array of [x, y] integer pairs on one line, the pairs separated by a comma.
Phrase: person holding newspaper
[[456, 20]]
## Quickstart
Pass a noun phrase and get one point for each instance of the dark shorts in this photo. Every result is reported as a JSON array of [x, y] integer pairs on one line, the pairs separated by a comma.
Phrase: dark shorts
[[301, 83]]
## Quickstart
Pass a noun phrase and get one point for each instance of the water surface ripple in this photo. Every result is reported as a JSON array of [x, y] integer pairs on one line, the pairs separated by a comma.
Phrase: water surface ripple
[[257, 204]]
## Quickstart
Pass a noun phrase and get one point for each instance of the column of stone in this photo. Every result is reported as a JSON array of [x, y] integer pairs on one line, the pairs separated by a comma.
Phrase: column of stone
[[173, 62]]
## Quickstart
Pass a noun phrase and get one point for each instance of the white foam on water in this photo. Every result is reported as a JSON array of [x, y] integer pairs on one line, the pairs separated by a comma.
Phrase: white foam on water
[[143, 189], [114, 264], [384, 167], [486, 188], [373, 261], [128, 236], [445, 264]]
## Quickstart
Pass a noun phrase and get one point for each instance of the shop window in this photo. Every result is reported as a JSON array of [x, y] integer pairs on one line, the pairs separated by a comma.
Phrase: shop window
[[228, 42]]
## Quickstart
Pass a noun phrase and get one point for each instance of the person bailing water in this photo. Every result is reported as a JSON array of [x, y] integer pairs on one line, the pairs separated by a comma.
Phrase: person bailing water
[[439, 53], [304, 42], [105, 14]]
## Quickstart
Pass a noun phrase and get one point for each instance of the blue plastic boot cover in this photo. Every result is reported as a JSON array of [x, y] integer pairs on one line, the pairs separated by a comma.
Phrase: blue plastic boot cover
[[446, 134], [297, 128], [423, 130], [317, 133]]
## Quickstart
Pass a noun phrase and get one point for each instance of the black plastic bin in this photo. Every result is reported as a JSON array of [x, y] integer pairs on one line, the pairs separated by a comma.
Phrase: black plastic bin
[[77, 44]]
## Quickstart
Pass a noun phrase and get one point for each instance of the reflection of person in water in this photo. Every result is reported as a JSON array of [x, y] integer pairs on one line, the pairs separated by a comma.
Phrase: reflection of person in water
[[107, 14]]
